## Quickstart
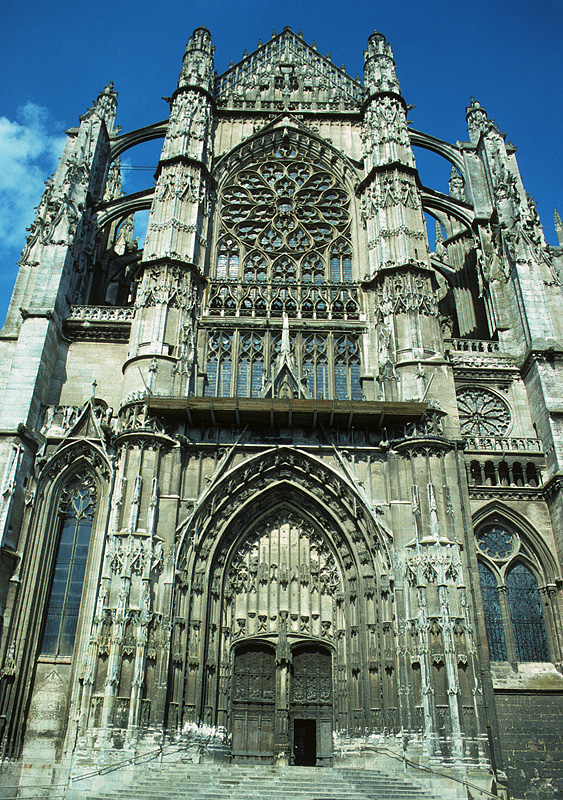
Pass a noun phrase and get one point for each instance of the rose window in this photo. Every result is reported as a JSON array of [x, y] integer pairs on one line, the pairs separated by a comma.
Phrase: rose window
[[496, 542], [482, 413], [288, 207]]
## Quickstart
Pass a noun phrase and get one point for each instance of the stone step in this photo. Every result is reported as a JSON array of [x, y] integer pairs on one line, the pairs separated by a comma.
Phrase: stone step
[[176, 781], [276, 785], [225, 795]]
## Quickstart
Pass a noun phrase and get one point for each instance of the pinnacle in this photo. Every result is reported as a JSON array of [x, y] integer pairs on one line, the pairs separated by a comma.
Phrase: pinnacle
[[558, 227]]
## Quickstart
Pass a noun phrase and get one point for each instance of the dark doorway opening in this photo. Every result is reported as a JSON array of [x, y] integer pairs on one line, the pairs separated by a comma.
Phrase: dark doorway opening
[[305, 742]]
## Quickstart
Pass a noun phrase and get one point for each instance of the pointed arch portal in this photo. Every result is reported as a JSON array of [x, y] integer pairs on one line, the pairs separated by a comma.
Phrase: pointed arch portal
[[285, 619]]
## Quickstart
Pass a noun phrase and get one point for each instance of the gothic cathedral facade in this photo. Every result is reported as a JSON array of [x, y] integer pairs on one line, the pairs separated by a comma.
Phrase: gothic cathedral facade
[[283, 484]]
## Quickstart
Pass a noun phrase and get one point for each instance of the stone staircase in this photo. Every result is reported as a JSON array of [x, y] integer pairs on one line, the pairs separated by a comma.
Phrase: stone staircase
[[257, 782]]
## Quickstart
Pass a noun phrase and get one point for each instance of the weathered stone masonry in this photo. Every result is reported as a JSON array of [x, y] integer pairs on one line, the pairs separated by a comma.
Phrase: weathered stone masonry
[[283, 485]]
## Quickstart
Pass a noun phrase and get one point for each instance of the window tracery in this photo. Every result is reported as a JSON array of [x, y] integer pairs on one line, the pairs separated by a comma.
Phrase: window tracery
[[291, 220], [240, 362], [482, 412], [68, 573], [526, 614], [512, 605], [219, 365]]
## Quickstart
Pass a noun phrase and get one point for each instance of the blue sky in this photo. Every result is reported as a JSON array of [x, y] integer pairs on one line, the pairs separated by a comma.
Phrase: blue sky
[[57, 56]]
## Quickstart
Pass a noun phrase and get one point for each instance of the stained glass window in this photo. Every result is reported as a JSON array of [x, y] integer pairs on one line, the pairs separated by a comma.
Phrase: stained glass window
[[227, 258], [284, 250], [219, 365], [526, 615], [292, 212], [242, 362], [315, 366], [496, 542], [494, 624], [347, 368], [516, 627], [340, 263], [250, 365], [68, 575]]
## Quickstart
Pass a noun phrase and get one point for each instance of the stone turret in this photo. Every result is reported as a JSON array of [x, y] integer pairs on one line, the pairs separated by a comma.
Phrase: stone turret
[[477, 120], [162, 336], [197, 68], [396, 232], [379, 67]]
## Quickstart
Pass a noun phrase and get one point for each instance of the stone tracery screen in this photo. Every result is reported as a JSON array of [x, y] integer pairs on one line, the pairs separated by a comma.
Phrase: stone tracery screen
[[238, 362], [284, 563]]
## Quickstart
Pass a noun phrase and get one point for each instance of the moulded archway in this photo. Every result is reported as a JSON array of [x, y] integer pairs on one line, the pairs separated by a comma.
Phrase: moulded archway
[[285, 572]]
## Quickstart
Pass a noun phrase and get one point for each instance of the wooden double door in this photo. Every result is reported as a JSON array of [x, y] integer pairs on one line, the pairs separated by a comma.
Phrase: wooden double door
[[282, 708]]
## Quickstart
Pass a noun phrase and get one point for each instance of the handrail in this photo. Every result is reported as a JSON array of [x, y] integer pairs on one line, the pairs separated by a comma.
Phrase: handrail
[[423, 768]]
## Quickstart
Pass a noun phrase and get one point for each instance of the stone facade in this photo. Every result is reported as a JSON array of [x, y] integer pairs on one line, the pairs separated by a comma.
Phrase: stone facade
[[284, 485]]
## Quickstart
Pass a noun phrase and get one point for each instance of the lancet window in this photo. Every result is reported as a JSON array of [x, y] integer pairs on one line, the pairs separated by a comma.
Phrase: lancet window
[[512, 607], [68, 573], [240, 363], [219, 365]]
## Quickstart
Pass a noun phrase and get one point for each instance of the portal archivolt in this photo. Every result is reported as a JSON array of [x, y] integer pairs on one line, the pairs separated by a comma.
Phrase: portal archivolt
[[286, 576]]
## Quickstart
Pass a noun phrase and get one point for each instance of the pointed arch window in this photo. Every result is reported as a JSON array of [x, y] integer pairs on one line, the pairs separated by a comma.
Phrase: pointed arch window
[[492, 611], [68, 573], [228, 259], [315, 364], [347, 368], [341, 262], [512, 607], [219, 365], [526, 615], [250, 365]]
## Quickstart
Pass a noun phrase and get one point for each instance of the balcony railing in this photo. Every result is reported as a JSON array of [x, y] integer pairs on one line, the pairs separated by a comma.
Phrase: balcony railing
[[101, 314], [299, 300], [477, 346], [503, 444], [505, 472], [104, 323]]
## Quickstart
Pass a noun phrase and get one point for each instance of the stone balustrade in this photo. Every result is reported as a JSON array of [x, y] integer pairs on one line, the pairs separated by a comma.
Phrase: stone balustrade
[[299, 300]]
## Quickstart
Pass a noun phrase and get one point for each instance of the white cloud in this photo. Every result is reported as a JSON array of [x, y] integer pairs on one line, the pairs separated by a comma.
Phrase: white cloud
[[29, 151]]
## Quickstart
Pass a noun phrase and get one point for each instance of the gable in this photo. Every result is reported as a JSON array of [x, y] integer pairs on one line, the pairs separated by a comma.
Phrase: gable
[[287, 73]]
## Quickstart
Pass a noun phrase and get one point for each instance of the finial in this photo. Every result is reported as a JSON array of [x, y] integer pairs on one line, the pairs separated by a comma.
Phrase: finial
[[274, 32], [328, 55], [259, 43], [439, 234], [244, 55], [558, 226], [314, 45], [379, 67], [300, 34], [477, 122]]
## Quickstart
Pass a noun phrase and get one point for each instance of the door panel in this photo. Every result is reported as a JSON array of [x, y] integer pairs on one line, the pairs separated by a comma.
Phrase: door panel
[[253, 704], [311, 705]]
